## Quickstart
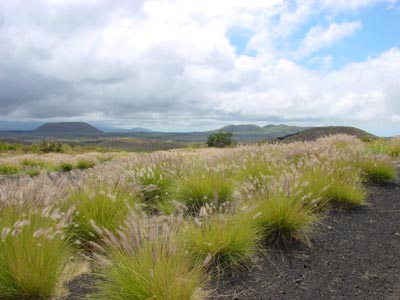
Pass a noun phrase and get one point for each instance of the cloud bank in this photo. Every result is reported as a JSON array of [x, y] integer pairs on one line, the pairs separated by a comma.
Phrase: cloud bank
[[170, 64]]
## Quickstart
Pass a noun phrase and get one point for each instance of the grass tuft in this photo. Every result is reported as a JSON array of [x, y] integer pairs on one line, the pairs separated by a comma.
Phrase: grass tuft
[[223, 242], [378, 170], [204, 187], [83, 164], [33, 254], [100, 205], [283, 218], [153, 267]]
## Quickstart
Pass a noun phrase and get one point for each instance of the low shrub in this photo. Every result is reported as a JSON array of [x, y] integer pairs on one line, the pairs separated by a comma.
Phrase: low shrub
[[220, 139], [140, 266], [33, 254], [83, 164], [64, 167], [32, 172], [9, 169]]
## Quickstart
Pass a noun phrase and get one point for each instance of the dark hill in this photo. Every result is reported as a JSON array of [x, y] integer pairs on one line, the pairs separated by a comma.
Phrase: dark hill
[[69, 128], [317, 132]]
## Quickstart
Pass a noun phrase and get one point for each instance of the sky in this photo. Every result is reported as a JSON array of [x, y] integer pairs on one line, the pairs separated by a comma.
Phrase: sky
[[189, 65]]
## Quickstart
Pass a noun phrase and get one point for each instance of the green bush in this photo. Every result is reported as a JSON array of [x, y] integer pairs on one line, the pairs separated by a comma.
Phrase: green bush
[[32, 172], [33, 255], [9, 169], [64, 167], [83, 164], [46, 146], [220, 139]]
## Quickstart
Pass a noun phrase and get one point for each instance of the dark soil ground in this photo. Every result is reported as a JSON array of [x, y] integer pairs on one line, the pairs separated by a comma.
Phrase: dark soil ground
[[355, 254]]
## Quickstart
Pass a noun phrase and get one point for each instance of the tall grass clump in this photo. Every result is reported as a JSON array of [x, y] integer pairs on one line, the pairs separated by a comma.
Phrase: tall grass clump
[[378, 169], [283, 217], [33, 253], [222, 242], [83, 164], [389, 147], [256, 171], [200, 187], [155, 187], [98, 203], [141, 265], [9, 169], [331, 182]]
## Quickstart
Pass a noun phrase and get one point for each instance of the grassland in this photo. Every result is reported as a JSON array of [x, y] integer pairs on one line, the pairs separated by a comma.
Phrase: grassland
[[163, 225]]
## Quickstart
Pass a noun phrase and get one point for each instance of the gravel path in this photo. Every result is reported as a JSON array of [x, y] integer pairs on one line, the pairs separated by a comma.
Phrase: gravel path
[[354, 255]]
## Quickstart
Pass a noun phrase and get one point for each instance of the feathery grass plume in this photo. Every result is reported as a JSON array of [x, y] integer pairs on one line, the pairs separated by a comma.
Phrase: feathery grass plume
[[142, 261], [201, 186], [222, 242], [283, 216], [378, 169], [155, 186], [389, 147], [99, 203], [256, 170], [33, 252]]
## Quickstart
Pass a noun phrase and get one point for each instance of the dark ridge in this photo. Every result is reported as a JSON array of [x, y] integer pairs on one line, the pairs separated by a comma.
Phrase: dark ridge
[[317, 132], [78, 128]]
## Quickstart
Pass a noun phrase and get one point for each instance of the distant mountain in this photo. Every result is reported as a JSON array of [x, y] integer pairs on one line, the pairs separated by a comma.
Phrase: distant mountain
[[67, 128], [140, 129], [268, 130], [282, 129], [247, 128], [317, 132]]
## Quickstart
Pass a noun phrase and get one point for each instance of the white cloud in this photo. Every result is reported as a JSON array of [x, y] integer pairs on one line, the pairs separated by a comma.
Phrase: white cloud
[[170, 62], [319, 37], [338, 5]]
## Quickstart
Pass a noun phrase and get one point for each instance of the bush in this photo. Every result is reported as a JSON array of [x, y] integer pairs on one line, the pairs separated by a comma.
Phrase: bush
[[64, 167], [138, 267], [224, 242], [50, 146], [32, 172], [220, 139], [9, 169], [33, 255], [83, 164]]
